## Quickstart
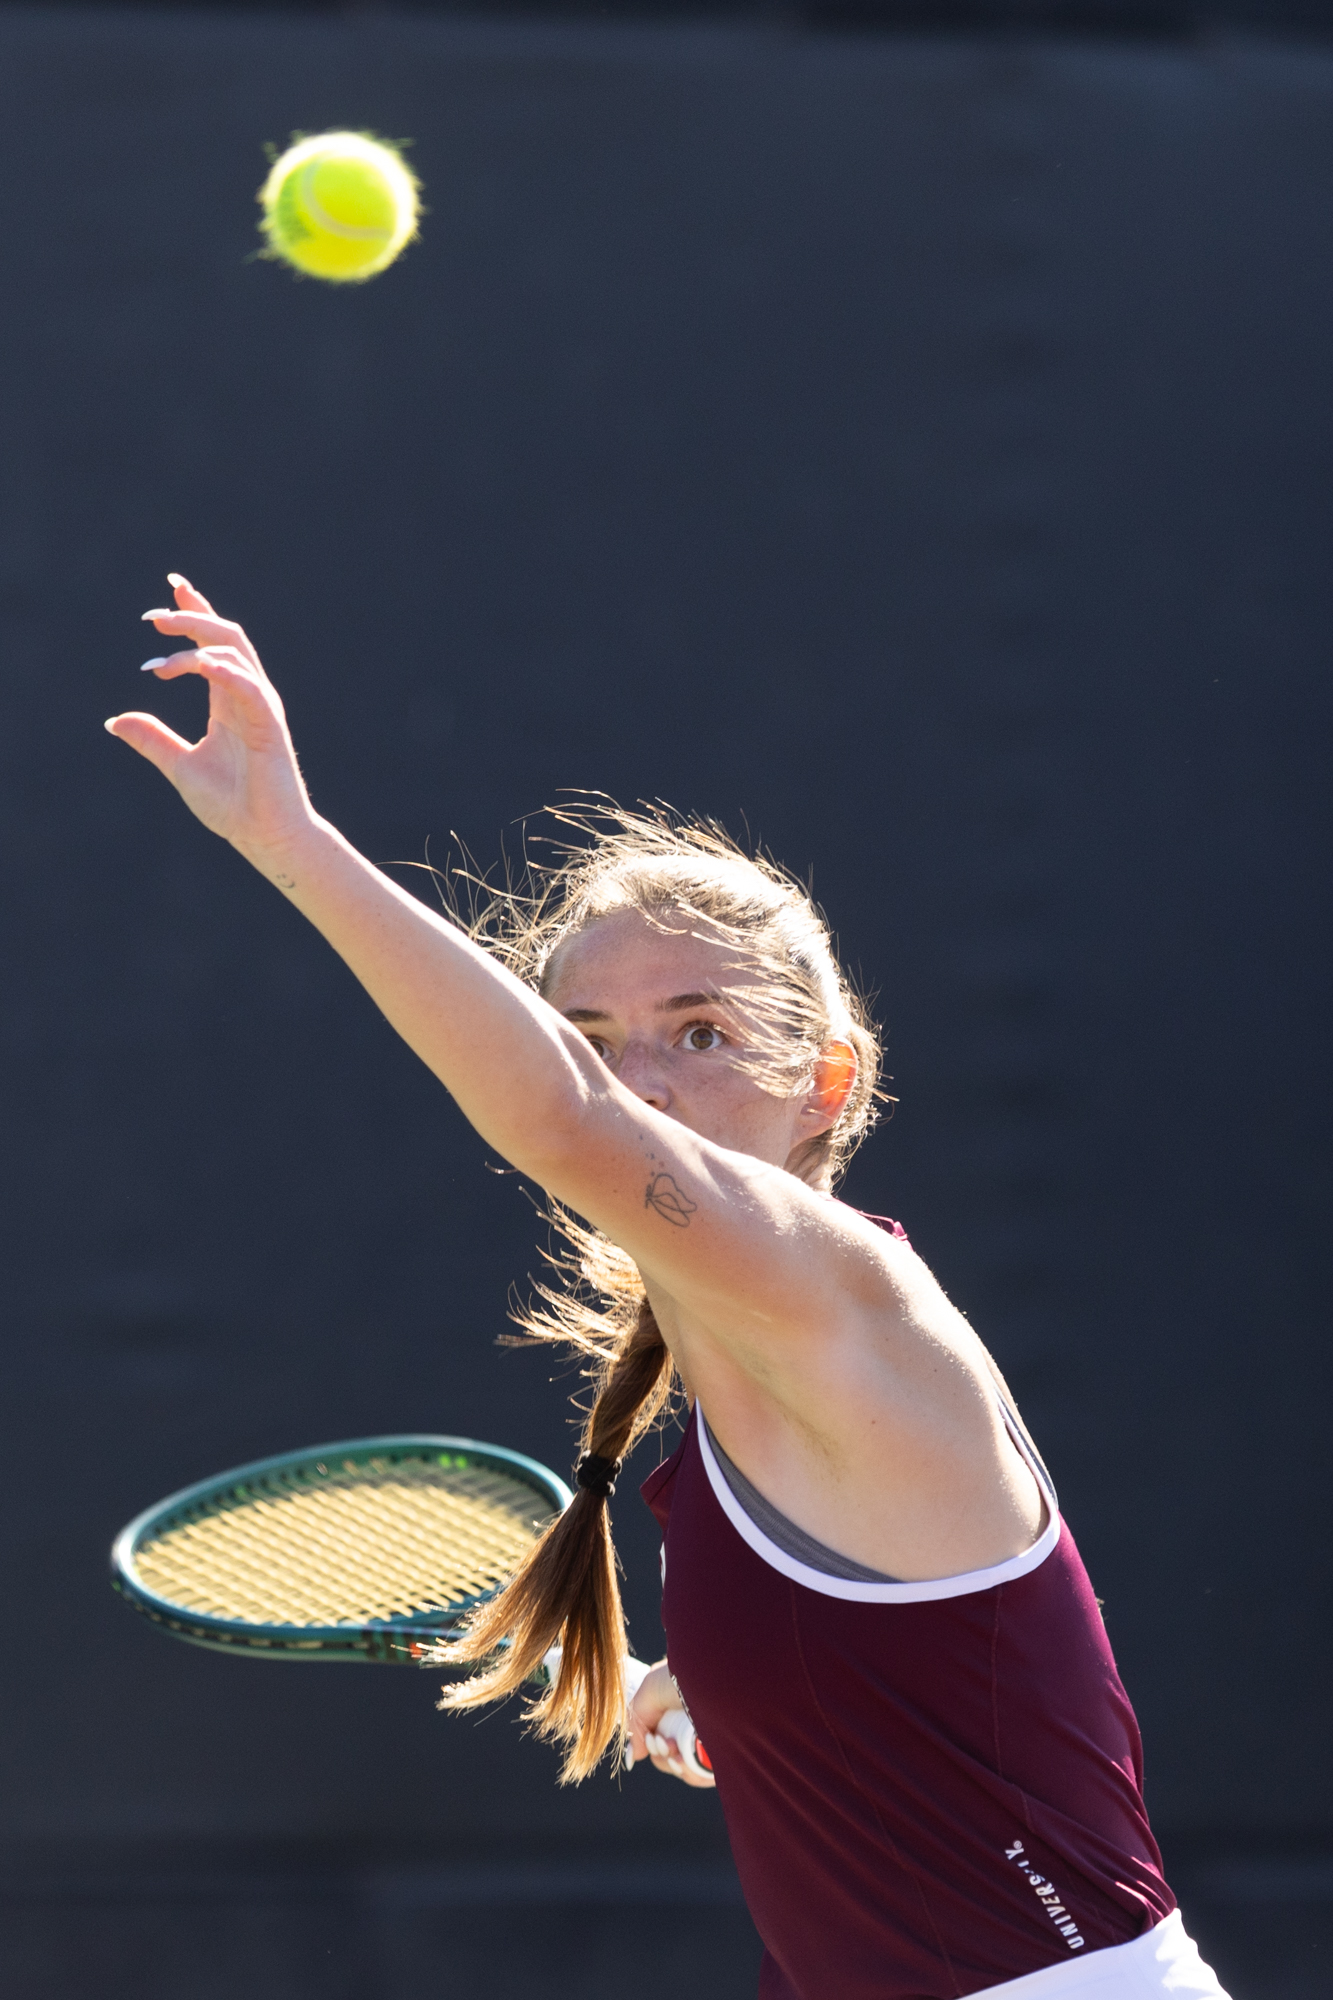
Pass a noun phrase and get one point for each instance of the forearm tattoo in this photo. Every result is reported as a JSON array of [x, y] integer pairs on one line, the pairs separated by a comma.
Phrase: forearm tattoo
[[666, 1195]]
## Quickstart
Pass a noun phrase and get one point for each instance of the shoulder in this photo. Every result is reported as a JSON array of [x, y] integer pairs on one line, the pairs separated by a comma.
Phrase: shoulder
[[864, 1323]]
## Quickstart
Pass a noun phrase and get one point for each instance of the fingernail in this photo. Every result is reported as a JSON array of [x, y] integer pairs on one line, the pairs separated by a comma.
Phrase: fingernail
[[163, 611], [151, 666], [629, 1759], [177, 581], [110, 725], [654, 1744]]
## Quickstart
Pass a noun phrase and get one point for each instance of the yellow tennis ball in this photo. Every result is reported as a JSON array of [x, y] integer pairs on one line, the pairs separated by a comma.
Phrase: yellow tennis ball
[[339, 206]]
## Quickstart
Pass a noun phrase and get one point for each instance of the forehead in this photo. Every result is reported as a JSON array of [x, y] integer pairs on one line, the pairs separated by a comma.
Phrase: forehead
[[626, 957]]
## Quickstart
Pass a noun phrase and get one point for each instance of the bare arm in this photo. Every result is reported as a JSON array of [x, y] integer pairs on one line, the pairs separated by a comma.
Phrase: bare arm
[[758, 1249], [874, 1419]]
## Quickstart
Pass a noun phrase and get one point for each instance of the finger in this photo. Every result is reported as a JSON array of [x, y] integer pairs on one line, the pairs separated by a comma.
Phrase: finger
[[662, 1752], [187, 597], [204, 627], [639, 1722], [213, 662], [677, 1732], [152, 739], [251, 705]]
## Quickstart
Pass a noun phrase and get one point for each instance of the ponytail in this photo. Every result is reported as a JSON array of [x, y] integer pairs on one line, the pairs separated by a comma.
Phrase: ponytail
[[566, 1593], [681, 875]]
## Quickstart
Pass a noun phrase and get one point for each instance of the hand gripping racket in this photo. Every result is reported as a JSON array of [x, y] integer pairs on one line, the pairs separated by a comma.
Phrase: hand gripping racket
[[673, 1729], [676, 1727], [367, 1551]]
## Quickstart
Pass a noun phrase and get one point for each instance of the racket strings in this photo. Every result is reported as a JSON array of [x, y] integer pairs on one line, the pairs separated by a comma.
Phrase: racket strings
[[366, 1543]]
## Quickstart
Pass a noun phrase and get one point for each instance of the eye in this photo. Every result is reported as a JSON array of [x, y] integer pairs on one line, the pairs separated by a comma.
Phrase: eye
[[701, 1036], [603, 1049]]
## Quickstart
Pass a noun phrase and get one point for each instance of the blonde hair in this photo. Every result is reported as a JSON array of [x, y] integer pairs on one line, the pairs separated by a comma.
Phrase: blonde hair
[[797, 1000]]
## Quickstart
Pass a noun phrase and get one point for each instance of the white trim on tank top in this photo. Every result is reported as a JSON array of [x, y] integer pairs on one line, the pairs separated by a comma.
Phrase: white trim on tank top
[[853, 1589]]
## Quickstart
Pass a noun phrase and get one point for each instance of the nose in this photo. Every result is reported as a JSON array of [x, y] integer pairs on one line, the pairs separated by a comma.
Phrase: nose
[[641, 1070]]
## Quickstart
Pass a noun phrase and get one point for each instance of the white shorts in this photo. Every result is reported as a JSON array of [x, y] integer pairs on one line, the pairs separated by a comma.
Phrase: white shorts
[[1163, 1964]]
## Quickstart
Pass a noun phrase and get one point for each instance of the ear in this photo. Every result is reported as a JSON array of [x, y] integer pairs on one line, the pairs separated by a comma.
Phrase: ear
[[832, 1085]]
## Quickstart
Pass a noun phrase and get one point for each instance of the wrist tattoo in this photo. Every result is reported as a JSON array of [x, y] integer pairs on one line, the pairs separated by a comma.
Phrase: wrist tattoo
[[285, 881], [669, 1199]]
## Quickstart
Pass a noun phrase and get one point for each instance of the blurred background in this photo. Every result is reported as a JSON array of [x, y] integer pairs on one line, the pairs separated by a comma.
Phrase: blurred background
[[903, 432]]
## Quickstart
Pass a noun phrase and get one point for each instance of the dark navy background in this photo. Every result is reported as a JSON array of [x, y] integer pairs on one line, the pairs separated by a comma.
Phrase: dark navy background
[[915, 450]]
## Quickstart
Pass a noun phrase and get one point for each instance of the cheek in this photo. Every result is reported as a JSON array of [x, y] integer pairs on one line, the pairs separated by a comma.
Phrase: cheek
[[738, 1102], [713, 1093]]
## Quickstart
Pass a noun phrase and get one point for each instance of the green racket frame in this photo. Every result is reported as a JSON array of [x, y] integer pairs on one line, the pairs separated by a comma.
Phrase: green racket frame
[[384, 1642]]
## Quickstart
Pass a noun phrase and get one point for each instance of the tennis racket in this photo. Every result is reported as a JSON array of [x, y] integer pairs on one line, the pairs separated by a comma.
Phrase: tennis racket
[[368, 1551]]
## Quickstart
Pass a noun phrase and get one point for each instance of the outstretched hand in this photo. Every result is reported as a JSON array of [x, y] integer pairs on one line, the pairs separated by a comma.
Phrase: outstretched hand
[[241, 778]]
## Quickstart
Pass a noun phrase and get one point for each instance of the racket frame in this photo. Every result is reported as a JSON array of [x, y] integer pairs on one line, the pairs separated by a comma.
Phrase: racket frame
[[383, 1642]]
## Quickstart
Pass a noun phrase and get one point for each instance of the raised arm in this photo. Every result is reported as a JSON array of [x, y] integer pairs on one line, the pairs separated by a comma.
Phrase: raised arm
[[838, 1373], [745, 1242]]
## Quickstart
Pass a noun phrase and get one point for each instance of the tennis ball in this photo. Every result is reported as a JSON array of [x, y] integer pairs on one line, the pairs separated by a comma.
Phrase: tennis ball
[[340, 206]]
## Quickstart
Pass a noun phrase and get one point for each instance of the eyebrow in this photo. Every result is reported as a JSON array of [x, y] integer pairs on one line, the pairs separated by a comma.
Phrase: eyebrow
[[585, 1016]]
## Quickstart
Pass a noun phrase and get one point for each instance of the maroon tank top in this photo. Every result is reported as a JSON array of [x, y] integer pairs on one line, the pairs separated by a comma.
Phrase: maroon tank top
[[929, 1788]]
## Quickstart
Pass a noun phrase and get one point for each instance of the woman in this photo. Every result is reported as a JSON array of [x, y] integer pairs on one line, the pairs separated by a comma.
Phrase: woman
[[930, 1771]]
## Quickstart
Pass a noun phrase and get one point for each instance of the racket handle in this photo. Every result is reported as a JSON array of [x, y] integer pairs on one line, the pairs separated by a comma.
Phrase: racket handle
[[677, 1725]]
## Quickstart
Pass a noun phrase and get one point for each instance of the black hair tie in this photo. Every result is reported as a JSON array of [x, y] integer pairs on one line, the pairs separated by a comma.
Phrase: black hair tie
[[597, 1475]]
